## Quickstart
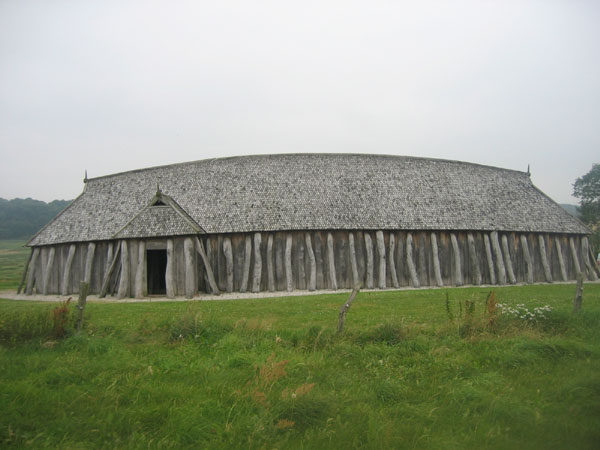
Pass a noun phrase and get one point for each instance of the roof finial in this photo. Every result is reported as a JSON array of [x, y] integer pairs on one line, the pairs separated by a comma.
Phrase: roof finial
[[158, 192], [85, 179], [528, 171]]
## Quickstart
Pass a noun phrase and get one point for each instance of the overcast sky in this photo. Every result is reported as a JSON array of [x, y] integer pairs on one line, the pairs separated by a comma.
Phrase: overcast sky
[[110, 86]]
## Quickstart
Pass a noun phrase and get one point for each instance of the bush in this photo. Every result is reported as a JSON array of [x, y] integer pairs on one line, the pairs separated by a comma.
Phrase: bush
[[40, 323]]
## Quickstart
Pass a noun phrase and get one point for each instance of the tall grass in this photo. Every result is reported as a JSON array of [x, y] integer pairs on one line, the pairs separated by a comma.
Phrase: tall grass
[[273, 373]]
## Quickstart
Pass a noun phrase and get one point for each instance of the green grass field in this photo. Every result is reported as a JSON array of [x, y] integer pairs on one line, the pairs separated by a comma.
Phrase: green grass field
[[13, 256], [273, 373]]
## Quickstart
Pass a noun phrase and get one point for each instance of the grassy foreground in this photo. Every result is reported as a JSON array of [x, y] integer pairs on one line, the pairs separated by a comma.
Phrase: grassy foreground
[[272, 373]]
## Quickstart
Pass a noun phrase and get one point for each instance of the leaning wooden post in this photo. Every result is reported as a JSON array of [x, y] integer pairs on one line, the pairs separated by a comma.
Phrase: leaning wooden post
[[48, 272], [66, 281], [392, 262], [353, 264], [498, 254], [561, 261], [247, 258], [585, 251], [578, 293], [312, 279], [527, 257], [409, 261], [31, 276], [209, 273], [24, 277], [345, 307], [436, 261], [108, 273], [543, 254], [490, 259], [508, 261], [331, 261], [574, 256], [83, 292], [458, 278]]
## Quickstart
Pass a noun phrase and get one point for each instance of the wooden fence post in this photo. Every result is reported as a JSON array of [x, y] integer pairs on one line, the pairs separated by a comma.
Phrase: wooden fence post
[[345, 307], [578, 293], [83, 292]]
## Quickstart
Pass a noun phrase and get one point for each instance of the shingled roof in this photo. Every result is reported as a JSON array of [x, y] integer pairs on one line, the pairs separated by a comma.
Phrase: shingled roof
[[309, 192]]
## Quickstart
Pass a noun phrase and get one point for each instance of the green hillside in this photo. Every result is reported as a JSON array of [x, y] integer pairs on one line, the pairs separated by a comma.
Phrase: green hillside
[[22, 218]]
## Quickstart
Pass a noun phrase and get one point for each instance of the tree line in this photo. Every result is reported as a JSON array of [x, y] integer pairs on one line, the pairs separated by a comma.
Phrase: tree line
[[21, 218]]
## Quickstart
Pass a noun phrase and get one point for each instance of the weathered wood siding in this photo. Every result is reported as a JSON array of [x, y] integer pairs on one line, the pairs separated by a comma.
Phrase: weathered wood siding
[[318, 260]]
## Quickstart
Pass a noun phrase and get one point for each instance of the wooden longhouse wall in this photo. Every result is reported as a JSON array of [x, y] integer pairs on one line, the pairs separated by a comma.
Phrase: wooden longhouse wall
[[318, 260]]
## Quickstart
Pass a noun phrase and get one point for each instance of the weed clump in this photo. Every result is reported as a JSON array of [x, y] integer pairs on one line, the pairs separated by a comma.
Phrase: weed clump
[[386, 333], [190, 326]]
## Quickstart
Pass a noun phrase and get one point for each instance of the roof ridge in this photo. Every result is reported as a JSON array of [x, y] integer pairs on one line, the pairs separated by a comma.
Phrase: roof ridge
[[314, 154]]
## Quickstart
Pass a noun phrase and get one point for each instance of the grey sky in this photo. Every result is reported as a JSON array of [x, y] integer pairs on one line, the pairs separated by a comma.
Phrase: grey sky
[[110, 86]]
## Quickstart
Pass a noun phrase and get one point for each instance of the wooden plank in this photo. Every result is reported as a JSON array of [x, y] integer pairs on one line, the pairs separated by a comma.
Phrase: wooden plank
[[561, 261], [48, 271], [410, 261], [436, 261], [490, 259], [331, 262], [207, 266], [392, 260], [289, 276], [543, 254], [141, 273], [300, 269], [419, 239], [190, 270], [257, 273], [527, 257], [381, 281], [123, 290], [312, 279], [477, 279], [353, 264], [247, 258], [170, 270], [227, 251], [369, 266]]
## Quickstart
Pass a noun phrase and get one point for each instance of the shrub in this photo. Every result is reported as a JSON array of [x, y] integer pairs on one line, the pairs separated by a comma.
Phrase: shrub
[[37, 323]]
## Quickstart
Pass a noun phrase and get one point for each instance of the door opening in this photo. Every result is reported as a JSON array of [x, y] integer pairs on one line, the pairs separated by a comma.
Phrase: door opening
[[157, 269]]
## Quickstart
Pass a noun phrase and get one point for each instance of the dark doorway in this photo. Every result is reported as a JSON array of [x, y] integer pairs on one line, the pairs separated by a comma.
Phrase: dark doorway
[[157, 268]]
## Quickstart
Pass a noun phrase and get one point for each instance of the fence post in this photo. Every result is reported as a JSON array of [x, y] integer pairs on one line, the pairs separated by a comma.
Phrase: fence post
[[83, 292], [578, 293]]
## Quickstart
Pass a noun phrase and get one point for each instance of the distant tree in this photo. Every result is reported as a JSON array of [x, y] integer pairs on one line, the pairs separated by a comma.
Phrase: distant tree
[[587, 189], [22, 218]]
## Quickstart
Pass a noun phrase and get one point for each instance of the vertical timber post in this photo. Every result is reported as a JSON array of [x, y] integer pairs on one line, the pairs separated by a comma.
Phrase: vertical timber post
[[574, 256], [48, 271], [66, 281], [257, 263], [270, 271], [190, 269], [246, 270], [141, 274], [381, 251], [124, 281], [170, 271], [312, 279], [83, 292], [355, 280], [498, 254], [474, 259], [289, 278], [31, 276], [331, 261], [369, 268]]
